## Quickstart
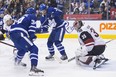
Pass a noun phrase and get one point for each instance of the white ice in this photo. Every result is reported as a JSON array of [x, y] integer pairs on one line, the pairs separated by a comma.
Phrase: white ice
[[54, 68]]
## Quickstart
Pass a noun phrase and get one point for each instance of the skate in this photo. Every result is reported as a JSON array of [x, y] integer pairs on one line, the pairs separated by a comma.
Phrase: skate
[[35, 71], [99, 62], [64, 57], [19, 63], [105, 59], [49, 57]]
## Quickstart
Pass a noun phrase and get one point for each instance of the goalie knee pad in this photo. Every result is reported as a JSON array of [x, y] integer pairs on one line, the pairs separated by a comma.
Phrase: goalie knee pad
[[86, 60]]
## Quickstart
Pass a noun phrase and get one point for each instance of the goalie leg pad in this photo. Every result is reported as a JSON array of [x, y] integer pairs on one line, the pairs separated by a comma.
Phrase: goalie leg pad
[[86, 60]]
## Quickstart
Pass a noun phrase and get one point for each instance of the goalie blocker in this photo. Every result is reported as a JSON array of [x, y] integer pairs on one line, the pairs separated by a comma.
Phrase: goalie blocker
[[91, 43]]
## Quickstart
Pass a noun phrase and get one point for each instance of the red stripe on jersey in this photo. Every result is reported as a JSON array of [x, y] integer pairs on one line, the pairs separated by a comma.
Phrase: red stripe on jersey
[[89, 44], [88, 41]]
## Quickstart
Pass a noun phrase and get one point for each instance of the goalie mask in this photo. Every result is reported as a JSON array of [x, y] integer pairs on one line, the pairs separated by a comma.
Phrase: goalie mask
[[77, 24]]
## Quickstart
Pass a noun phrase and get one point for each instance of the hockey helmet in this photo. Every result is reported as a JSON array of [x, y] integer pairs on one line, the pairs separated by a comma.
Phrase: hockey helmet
[[42, 7], [77, 24], [30, 11], [6, 18], [1, 11]]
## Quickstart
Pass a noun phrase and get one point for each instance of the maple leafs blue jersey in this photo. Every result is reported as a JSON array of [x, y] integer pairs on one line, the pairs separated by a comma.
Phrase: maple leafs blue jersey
[[54, 15], [26, 24], [44, 21], [22, 33], [44, 25], [52, 19]]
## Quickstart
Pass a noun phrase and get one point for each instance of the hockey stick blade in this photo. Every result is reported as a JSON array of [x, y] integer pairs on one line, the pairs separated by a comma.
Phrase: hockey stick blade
[[58, 59], [69, 60]]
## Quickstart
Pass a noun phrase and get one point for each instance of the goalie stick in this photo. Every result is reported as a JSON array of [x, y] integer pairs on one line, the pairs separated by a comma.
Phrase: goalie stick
[[109, 41], [69, 60]]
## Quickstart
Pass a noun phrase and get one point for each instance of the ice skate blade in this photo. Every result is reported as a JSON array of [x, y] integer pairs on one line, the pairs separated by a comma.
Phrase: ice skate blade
[[36, 74], [52, 59]]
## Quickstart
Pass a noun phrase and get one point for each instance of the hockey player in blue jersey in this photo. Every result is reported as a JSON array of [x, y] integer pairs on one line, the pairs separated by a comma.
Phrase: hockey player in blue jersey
[[51, 17], [22, 33]]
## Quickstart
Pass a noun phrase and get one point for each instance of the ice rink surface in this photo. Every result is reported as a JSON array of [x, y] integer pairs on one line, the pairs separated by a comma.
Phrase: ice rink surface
[[54, 68]]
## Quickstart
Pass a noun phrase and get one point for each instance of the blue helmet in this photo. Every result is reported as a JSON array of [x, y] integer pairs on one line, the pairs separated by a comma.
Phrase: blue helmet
[[42, 7], [1, 11], [30, 11]]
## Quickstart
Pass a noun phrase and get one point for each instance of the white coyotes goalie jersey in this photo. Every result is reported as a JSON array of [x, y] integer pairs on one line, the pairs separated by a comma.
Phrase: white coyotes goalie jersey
[[89, 38]]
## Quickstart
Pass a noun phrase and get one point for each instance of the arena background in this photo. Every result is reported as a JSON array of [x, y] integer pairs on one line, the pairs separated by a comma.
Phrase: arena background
[[106, 29]]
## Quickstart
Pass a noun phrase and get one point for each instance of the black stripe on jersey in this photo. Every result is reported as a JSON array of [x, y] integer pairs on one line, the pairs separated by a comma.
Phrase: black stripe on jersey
[[86, 37]]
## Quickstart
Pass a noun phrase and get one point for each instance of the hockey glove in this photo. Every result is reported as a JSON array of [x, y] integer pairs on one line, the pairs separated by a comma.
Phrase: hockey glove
[[42, 30], [33, 37]]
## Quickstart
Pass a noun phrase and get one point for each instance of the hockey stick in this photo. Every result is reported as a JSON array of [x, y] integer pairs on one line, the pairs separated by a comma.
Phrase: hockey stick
[[7, 44], [44, 23], [69, 60], [109, 41], [68, 28], [40, 29], [58, 59]]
